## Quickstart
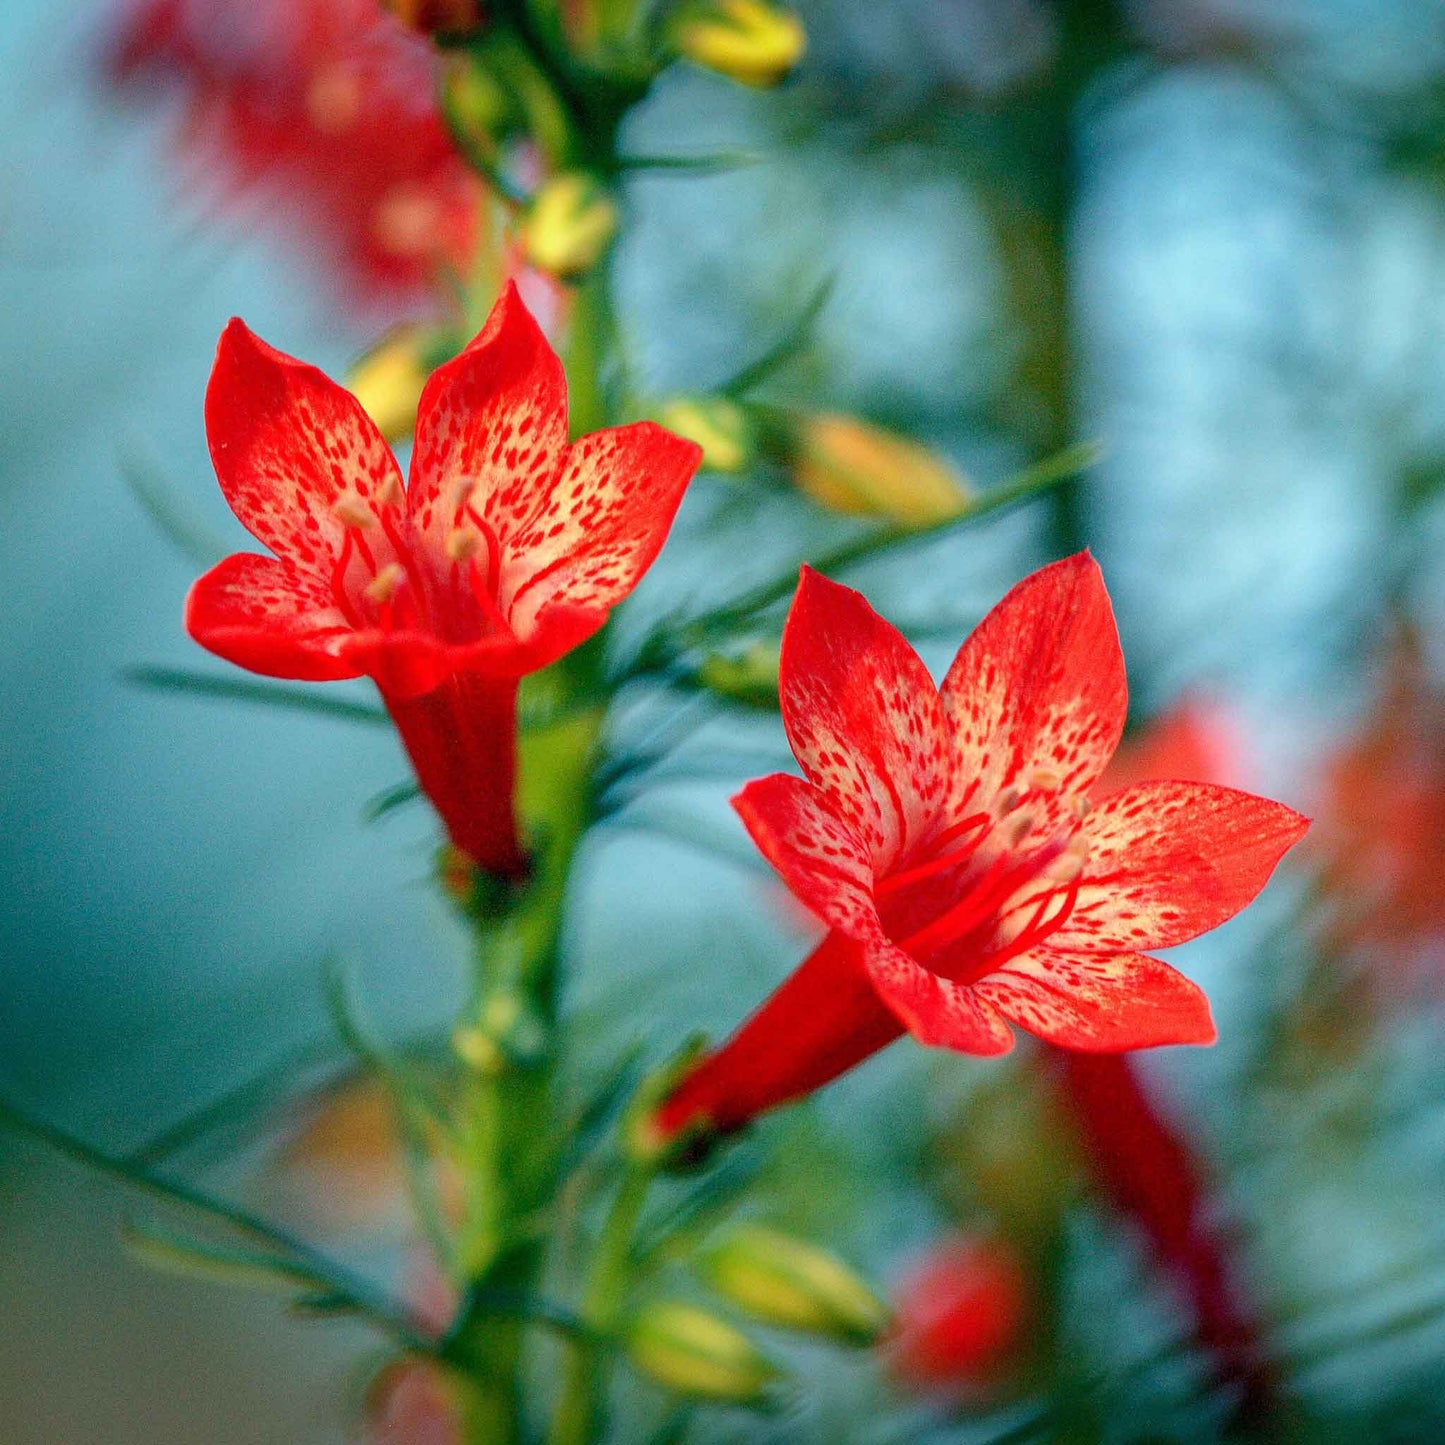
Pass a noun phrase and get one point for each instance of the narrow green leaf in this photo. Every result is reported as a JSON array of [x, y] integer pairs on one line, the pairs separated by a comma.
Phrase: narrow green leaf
[[389, 801], [179, 1254], [793, 342], [420, 1122], [240, 689], [711, 163], [379, 1310], [662, 649], [182, 525]]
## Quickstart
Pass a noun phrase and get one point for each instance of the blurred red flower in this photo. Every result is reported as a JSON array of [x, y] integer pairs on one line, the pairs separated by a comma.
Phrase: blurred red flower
[[507, 549], [326, 108], [946, 838], [959, 1315], [1381, 832]]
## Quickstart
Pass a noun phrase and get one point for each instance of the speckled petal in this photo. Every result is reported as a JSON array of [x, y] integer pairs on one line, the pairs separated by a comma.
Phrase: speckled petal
[[863, 717], [599, 528], [1101, 1002], [1039, 689], [491, 428], [287, 443], [936, 1011], [819, 856], [271, 617], [1169, 861]]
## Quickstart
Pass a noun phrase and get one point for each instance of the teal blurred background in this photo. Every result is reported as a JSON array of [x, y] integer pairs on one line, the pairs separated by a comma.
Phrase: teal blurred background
[[1210, 235]]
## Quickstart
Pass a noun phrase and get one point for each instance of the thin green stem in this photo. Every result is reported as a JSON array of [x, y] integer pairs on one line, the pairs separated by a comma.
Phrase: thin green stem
[[582, 1406]]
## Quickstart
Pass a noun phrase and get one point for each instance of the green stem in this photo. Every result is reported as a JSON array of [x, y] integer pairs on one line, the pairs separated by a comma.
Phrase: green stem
[[581, 1409], [509, 1042]]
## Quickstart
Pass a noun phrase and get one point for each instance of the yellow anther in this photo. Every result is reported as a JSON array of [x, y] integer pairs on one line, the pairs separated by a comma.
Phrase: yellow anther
[[391, 493], [1018, 826], [1070, 863], [352, 511], [1046, 780], [1080, 806], [1008, 800], [462, 544], [382, 587]]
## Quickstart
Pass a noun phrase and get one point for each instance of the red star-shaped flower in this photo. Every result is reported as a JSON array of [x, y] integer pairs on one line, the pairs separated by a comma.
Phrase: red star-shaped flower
[[945, 836], [508, 547]]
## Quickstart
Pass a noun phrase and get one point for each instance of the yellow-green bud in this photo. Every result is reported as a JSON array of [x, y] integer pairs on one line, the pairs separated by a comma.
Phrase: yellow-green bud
[[388, 382], [718, 425], [478, 106], [692, 1352], [786, 1282], [850, 466], [569, 225], [749, 677], [747, 40]]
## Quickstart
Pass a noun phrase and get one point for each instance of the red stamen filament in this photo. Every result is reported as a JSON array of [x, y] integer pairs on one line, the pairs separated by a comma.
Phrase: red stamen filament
[[338, 577], [979, 824], [1034, 932], [981, 902]]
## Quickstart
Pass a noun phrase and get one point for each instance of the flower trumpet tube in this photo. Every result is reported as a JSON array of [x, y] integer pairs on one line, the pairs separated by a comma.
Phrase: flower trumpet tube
[[1146, 1169], [507, 548], [946, 838]]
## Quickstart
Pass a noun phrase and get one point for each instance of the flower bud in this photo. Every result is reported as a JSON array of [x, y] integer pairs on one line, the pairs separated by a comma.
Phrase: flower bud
[[718, 425], [388, 382], [749, 677], [569, 225], [961, 1312], [850, 466], [747, 40], [412, 1401], [786, 1282], [478, 106], [439, 17], [692, 1352]]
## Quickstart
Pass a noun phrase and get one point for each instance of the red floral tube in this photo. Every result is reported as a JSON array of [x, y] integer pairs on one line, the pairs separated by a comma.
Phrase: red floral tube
[[462, 740], [1149, 1173]]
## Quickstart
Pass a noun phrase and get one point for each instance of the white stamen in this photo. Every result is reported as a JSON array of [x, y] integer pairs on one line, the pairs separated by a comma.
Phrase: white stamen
[[1080, 806]]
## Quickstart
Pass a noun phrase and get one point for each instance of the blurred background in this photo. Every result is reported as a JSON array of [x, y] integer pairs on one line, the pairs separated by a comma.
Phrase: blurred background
[[1209, 234]]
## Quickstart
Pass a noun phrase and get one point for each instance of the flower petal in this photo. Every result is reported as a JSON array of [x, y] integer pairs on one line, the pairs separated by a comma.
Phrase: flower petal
[[271, 617], [1169, 861], [1040, 686], [1101, 1002], [286, 442], [819, 856], [599, 527], [936, 1011], [863, 717], [491, 428]]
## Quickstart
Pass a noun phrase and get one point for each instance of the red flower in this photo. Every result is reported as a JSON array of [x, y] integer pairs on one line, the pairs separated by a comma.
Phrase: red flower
[[507, 548], [326, 106], [959, 1315], [946, 838], [1382, 824]]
